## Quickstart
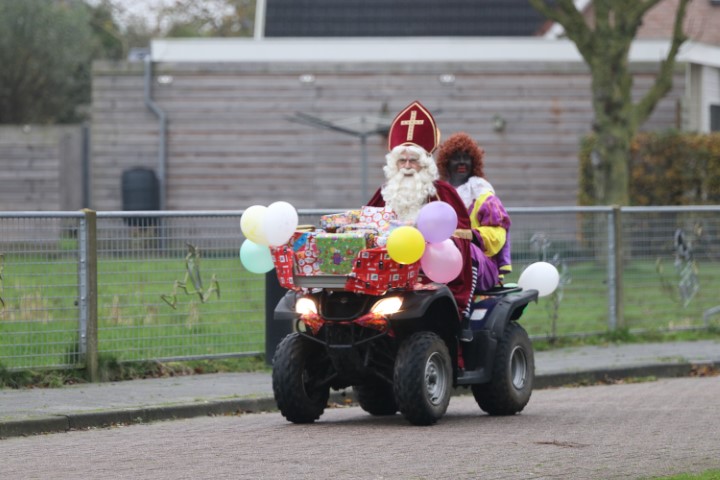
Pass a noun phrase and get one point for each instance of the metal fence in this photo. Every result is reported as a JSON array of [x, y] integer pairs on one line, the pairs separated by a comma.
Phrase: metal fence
[[169, 285]]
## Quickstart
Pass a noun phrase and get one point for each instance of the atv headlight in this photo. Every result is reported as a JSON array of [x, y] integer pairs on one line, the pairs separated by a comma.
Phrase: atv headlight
[[387, 306], [305, 305]]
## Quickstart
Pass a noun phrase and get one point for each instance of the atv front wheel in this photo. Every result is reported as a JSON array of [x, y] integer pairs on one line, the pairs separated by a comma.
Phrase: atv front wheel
[[513, 375], [423, 378], [297, 367]]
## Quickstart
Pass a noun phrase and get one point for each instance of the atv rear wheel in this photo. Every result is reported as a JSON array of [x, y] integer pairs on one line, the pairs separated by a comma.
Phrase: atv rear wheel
[[513, 375], [376, 398], [297, 366], [423, 378]]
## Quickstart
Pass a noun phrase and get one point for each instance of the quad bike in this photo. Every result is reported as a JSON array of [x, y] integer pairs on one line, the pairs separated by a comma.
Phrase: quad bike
[[404, 350]]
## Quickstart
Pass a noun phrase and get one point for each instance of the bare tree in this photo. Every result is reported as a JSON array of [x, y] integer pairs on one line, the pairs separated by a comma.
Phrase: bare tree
[[213, 18], [604, 39]]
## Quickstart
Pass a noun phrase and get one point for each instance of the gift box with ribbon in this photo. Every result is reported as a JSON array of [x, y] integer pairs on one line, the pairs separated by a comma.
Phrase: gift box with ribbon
[[374, 272]]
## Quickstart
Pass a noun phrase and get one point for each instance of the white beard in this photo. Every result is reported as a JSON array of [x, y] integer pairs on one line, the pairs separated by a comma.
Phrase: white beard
[[406, 194]]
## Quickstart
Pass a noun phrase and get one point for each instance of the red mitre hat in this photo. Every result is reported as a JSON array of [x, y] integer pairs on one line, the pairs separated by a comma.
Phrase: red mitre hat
[[414, 126]]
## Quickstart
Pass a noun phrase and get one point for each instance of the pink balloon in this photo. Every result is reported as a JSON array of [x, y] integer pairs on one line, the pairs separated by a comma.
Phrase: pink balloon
[[437, 221], [442, 262]]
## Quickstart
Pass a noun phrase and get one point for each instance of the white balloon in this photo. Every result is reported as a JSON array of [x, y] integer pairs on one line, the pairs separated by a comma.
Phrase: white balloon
[[279, 223], [251, 224], [540, 276]]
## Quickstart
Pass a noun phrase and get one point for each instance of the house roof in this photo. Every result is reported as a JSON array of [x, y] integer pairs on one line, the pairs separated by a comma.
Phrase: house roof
[[348, 50], [401, 18], [701, 18], [412, 31]]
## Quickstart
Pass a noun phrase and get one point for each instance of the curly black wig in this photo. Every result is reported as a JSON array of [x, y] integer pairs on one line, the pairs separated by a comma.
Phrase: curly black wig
[[460, 143]]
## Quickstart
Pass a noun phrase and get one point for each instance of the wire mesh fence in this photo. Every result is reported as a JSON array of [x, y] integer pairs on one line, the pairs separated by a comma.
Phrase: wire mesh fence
[[575, 240], [671, 267], [169, 285], [39, 289]]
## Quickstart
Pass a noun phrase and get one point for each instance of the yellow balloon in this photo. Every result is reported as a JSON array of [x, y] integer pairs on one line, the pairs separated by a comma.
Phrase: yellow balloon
[[251, 224], [406, 245]]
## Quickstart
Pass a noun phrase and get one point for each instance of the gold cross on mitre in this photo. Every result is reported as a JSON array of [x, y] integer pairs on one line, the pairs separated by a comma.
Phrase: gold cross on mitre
[[414, 125], [411, 124]]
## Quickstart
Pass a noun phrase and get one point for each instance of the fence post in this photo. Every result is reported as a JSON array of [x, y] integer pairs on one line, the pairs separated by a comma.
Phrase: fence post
[[615, 280], [88, 293], [619, 269]]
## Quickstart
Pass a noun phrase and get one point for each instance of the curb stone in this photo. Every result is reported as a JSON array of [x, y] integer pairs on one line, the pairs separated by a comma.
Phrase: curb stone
[[130, 416], [104, 419]]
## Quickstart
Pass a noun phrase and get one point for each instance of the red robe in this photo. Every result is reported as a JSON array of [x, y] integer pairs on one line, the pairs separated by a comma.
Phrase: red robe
[[462, 286]]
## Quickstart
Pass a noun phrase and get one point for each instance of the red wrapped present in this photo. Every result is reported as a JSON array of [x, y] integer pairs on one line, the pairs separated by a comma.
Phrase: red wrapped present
[[375, 272], [283, 260]]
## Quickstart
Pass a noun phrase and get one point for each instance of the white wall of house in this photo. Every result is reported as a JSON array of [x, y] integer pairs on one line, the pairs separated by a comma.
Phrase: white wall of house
[[702, 82], [710, 88], [703, 91]]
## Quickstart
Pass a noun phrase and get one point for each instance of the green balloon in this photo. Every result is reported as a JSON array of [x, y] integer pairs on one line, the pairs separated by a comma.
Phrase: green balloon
[[255, 258]]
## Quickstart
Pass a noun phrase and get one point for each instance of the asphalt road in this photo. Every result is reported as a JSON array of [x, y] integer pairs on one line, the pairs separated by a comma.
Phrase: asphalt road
[[622, 431]]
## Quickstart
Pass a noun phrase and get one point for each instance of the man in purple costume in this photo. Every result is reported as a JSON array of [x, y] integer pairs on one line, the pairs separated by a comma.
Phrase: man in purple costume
[[460, 163]]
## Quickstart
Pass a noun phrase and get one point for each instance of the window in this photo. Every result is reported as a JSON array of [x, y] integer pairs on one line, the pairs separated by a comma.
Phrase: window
[[715, 118]]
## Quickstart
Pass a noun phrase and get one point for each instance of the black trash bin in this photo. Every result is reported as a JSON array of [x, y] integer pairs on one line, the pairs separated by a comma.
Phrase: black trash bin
[[140, 191], [276, 326]]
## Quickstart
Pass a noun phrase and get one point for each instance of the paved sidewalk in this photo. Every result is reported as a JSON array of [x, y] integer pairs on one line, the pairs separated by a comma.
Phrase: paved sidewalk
[[31, 411]]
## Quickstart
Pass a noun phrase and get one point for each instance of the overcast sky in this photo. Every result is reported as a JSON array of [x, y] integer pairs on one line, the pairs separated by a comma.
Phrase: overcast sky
[[145, 9]]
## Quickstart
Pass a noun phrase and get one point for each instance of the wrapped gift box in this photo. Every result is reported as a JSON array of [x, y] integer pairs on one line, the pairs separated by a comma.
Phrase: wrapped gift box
[[354, 227], [332, 222], [379, 217], [375, 272], [283, 260], [307, 257], [382, 237], [371, 234], [337, 251]]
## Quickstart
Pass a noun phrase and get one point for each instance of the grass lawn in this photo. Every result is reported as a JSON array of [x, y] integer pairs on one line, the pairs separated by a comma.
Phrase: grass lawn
[[706, 475], [651, 301], [136, 319], [39, 319]]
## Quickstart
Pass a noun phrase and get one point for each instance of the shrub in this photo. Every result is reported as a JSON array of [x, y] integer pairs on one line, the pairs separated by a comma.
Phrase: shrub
[[666, 168]]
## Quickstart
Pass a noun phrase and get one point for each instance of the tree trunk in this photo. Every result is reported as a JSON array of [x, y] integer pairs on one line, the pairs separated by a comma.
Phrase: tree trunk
[[614, 127], [604, 43]]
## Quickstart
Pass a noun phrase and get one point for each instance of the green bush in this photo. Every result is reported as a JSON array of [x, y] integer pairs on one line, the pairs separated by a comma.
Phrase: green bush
[[666, 168]]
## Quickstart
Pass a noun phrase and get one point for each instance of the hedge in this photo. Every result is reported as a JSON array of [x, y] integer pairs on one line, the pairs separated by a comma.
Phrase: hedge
[[666, 168]]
